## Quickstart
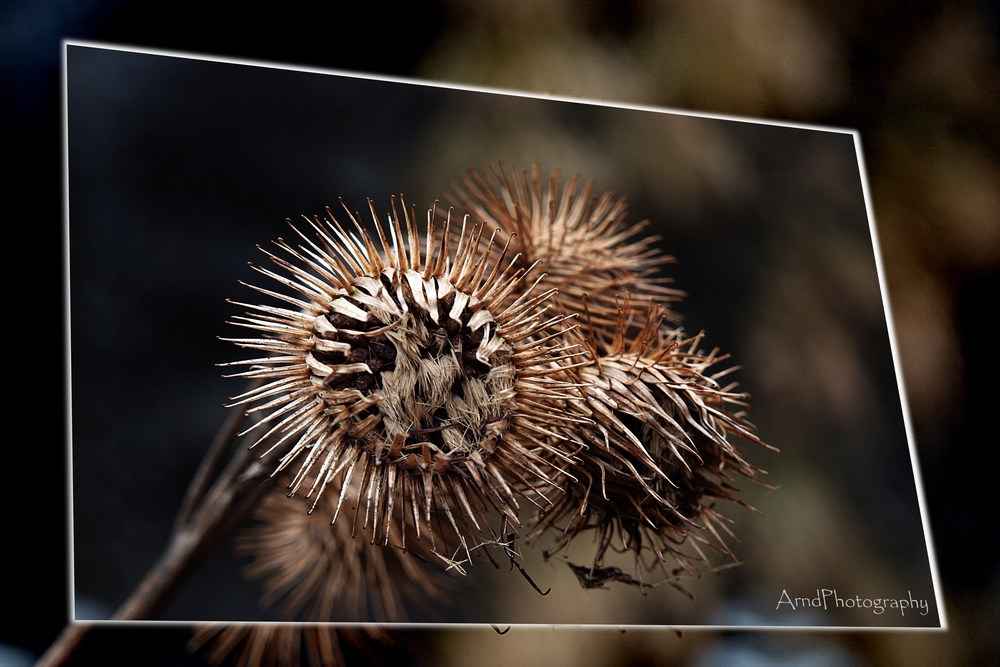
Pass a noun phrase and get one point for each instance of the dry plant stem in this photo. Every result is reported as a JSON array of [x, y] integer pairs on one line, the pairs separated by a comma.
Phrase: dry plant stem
[[225, 505], [65, 644], [208, 515], [210, 466]]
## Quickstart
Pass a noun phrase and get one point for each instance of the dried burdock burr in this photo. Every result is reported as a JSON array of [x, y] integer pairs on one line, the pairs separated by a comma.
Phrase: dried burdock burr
[[422, 373], [589, 252], [658, 456], [654, 452], [328, 574], [439, 386], [282, 645], [322, 574]]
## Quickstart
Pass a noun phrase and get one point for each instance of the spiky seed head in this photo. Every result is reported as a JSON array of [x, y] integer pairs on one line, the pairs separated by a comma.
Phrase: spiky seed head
[[332, 575], [281, 645], [658, 456], [590, 253], [323, 574], [420, 368]]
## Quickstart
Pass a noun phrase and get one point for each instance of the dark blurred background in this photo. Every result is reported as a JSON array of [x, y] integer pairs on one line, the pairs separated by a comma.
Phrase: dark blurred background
[[920, 81]]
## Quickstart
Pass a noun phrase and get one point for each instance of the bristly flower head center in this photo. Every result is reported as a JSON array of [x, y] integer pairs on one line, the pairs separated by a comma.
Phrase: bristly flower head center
[[441, 374], [419, 369]]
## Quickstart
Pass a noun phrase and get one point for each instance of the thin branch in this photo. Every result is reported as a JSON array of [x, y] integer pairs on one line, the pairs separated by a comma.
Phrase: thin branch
[[211, 464], [209, 514]]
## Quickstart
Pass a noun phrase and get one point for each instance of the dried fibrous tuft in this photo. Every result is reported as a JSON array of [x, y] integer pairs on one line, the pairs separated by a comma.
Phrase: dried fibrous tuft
[[421, 373], [590, 253]]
